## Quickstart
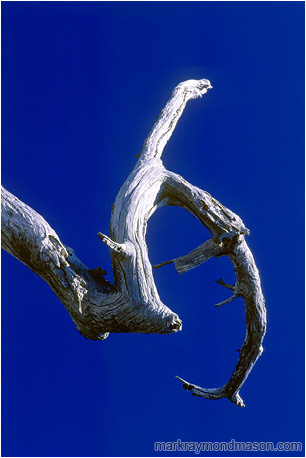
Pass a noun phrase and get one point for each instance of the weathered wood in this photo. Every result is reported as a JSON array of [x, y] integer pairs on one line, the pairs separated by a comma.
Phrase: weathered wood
[[132, 304], [247, 286], [95, 305]]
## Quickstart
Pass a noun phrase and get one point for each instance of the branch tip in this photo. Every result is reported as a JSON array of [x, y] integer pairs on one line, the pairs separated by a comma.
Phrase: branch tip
[[230, 299], [117, 247], [237, 399], [187, 386], [226, 285], [157, 266]]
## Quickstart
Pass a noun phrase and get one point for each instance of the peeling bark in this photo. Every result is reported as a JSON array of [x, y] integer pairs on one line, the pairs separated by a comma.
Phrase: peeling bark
[[132, 304]]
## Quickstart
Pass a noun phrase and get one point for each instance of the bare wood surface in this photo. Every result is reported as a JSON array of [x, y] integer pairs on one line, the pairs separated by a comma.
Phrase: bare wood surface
[[132, 303]]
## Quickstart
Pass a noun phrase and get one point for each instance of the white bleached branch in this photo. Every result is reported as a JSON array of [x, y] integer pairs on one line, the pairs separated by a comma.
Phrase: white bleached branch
[[132, 304]]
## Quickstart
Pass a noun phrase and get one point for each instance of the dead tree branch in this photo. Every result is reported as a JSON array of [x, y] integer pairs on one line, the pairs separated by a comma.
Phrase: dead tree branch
[[132, 304]]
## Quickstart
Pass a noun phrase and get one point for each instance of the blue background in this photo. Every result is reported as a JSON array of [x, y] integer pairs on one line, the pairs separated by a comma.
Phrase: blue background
[[82, 84]]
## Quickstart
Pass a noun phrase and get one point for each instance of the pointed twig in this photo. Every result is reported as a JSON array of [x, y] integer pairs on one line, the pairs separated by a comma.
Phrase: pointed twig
[[117, 247], [211, 393], [157, 266], [230, 299], [226, 285]]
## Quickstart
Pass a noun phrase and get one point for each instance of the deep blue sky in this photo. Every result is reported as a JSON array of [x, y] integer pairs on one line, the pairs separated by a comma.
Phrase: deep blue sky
[[82, 84]]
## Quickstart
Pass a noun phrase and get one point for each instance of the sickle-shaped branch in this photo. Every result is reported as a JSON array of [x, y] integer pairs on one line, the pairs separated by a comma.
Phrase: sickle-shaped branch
[[132, 304]]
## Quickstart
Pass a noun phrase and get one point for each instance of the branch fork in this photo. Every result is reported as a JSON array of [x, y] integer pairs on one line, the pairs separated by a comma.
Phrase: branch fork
[[234, 288], [132, 303]]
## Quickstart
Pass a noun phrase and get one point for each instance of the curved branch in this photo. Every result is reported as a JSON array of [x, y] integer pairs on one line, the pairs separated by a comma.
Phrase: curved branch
[[132, 304], [169, 116], [95, 306], [228, 240], [248, 286]]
